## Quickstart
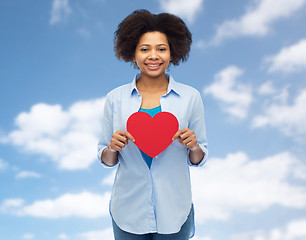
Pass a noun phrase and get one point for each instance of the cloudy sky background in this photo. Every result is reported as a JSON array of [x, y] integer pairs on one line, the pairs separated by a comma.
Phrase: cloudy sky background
[[57, 64]]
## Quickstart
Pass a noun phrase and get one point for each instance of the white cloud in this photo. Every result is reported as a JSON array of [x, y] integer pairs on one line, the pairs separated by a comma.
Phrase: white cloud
[[281, 96], [90, 235], [28, 236], [97, 235], [27, 174], [290, 119], [201, 44], [267, 88], [237, 183], [109, 180], [289, 59], [85, 205], [295, 230], [10, 205], [257, 20], [201, 238], [183, 8], [84, 32], [60, 11], [234, 96], [69, 137], [3, 164], [63, 236], [273, 94]]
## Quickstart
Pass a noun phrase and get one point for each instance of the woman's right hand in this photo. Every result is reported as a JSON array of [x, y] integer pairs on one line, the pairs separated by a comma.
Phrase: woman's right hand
[[119, 140]]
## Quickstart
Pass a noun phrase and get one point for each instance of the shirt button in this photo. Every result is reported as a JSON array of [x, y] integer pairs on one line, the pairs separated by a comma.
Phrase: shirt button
[[156, 157]]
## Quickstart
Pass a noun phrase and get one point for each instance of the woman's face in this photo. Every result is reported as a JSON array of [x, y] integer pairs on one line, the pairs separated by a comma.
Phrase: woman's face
[[152, 54]]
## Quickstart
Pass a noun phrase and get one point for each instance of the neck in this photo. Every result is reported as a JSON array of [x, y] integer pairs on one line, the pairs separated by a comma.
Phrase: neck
[[148, 83]]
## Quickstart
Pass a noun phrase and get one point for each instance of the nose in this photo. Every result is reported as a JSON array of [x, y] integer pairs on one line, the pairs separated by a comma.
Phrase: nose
[[153, 55]]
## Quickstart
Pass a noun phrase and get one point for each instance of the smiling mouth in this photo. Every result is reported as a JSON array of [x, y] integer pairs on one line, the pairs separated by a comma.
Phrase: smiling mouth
[[153, 65]]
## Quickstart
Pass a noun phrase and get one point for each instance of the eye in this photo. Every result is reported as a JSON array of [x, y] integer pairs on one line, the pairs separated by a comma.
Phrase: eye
[[144, 49], [163, 49]]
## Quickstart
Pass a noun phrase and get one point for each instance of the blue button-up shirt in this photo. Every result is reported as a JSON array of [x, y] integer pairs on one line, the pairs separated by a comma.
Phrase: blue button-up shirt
[[157, 199]]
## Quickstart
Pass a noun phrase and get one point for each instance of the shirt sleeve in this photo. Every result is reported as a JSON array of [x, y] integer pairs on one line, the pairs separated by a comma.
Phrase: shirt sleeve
[[106, 128], [197, 124]]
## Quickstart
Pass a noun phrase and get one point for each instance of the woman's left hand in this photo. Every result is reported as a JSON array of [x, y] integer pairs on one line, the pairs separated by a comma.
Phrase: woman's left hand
[[187, 138]]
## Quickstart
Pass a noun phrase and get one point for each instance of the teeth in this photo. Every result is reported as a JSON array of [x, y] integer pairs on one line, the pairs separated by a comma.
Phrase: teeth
[[153, 65]]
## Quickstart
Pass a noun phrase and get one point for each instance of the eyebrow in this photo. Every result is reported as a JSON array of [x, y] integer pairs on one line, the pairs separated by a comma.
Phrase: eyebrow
[[145, 44]]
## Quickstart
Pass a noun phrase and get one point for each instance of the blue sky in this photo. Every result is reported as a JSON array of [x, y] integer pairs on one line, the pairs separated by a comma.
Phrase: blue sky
[[57, 63]]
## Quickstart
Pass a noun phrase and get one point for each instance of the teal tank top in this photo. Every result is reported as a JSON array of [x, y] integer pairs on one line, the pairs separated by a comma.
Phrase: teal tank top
[[152, 112]]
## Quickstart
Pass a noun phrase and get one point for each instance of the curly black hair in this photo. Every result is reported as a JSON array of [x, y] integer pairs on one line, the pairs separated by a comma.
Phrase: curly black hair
[[129, 31]]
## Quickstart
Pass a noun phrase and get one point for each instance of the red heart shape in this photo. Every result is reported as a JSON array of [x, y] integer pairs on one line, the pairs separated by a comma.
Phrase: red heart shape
[[152, 135]]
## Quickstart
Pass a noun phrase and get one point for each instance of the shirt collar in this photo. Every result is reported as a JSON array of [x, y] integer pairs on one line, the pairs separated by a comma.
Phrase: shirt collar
[[172, 86]]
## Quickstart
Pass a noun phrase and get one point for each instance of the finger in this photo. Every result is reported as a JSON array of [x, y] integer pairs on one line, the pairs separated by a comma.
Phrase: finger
[[184, 136], [117, 142], [127, 135], [120, 145], [191, 143], [121, 138], [130, 137], [188, 137], [117, 145], [188, 133], [177, 134], [186, 141], [121, 132]]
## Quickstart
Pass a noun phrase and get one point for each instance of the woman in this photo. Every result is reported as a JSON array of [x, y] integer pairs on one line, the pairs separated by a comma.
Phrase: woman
[[151, 197]]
